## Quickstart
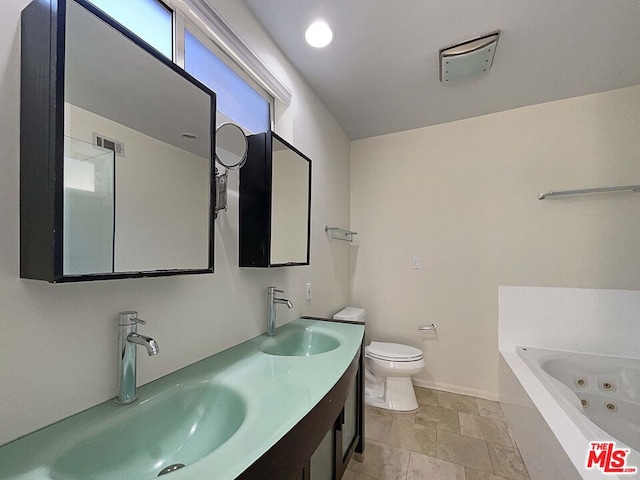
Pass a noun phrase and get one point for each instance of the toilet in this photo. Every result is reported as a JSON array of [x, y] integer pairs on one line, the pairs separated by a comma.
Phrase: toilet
[[388, 369]]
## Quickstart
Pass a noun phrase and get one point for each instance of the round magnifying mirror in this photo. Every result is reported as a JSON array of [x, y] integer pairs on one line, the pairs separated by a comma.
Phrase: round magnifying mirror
[[231, 146]]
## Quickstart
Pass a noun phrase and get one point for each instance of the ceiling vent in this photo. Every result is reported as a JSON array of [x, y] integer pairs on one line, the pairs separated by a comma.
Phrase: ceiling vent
[[108, 143], [468, 60]]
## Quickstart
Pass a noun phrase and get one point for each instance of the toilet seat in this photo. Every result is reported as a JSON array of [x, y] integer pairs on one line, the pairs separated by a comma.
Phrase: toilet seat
[[393, 352]]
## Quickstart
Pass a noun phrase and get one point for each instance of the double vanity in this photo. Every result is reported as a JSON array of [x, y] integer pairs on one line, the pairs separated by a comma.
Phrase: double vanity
[[274, 407], [119, 180]]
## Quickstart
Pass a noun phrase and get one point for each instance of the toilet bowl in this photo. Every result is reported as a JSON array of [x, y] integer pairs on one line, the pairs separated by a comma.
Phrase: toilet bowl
[[388, 369]]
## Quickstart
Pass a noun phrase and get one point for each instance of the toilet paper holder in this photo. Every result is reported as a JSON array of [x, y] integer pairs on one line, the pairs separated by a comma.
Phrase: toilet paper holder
[[428, 327]]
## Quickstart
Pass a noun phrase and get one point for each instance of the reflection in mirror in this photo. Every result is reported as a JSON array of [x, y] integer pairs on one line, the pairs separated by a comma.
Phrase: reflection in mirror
[[136, 188], [231, 146], [88, 207], [289, 205]]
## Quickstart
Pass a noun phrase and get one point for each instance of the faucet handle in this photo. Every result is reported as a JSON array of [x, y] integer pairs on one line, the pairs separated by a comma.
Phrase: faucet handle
[[129, 317], [274, 290]]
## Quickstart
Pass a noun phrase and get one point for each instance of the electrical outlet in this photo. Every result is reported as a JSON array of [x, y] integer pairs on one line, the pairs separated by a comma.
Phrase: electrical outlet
[[417, 263], [308, 290]]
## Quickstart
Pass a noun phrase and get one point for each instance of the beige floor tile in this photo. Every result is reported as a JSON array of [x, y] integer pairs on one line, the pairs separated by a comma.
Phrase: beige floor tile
[[426, 396], [423, 467], [351, 475], [472, 474], [484, 428], [406, 416], [383, 462], [462, 450], [411, 453], [507, 462], [440, 418], [413, 436], [490, 409], [376, 427], [460, 403]]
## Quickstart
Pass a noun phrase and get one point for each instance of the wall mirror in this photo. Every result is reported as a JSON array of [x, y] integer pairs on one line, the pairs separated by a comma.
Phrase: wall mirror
[[290, 189], [132, 152], [231, 146], [231, 153], [275, 204]]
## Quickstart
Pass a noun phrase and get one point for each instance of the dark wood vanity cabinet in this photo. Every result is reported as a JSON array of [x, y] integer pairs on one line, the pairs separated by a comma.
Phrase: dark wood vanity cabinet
[[321, 445]]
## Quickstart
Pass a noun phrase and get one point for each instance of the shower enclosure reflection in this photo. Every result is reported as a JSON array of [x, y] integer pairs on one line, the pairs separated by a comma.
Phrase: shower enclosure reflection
[[88, 207]]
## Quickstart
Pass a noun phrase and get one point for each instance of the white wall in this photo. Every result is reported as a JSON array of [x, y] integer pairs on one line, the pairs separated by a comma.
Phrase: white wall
[[57, 342], [603, 322], [462, 196]]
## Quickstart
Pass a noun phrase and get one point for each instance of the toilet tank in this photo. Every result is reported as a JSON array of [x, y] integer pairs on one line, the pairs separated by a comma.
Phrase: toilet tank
[[350, 314]]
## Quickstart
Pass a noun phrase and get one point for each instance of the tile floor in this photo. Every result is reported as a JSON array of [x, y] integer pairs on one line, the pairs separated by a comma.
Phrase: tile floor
[[449, 437]]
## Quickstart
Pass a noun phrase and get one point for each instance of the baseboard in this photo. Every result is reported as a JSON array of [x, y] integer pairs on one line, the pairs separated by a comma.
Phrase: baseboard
[[455, 389]]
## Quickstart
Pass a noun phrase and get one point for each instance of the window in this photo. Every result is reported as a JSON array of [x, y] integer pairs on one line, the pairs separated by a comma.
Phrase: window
[[236, 99], [151, 20]]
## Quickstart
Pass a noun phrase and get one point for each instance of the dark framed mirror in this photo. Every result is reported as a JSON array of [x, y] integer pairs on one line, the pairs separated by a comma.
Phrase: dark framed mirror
[[117, 160], [275, 204]]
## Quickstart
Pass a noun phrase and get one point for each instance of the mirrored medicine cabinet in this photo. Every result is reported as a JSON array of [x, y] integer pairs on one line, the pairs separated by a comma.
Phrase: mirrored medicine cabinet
[[275, 204], [117, 150]]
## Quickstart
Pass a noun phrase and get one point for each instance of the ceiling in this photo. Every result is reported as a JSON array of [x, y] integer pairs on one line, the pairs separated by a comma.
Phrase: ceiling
[[109, 75], [380, 74]]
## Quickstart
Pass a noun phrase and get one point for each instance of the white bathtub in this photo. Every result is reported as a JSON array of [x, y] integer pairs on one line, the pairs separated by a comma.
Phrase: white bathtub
[[582, 398]]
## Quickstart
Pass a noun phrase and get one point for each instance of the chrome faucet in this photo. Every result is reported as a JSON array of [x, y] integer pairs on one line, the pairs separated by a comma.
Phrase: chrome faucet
[[128, 338], [271, 308]]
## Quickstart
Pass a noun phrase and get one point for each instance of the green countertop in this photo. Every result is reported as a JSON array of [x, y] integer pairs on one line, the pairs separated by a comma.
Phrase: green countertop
[[274, 393]]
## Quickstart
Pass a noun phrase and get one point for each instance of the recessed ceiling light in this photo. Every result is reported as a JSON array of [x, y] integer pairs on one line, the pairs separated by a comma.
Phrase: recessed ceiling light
[[319, 34]]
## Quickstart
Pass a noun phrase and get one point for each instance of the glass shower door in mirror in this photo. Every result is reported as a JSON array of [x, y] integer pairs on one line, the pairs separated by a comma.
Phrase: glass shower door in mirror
[[88, 208]]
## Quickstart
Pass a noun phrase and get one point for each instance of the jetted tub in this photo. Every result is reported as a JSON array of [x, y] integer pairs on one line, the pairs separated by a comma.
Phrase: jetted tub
[[599, 395]]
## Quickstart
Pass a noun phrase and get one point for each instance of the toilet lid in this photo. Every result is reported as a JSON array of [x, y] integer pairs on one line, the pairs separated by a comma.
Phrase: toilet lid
[[393, 352]]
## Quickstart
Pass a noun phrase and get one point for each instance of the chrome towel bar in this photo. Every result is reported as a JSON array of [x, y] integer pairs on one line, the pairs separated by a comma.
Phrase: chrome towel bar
[[633, 188], [338, 233], [428, 327]]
